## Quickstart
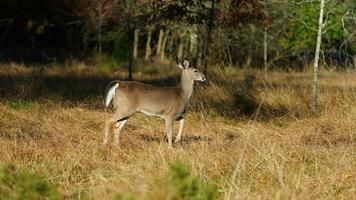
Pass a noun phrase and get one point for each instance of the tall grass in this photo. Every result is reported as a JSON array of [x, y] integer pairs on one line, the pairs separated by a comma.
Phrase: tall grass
[[249, 133]]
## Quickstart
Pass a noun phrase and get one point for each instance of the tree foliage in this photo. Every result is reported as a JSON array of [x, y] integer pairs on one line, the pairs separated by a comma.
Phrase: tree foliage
[[225, 31]]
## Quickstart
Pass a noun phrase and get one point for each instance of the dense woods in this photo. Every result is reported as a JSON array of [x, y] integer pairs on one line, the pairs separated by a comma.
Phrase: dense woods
[[264, 34]]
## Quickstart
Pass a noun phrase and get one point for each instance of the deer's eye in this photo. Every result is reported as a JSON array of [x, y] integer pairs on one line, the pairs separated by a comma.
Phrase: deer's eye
[[195, 70]]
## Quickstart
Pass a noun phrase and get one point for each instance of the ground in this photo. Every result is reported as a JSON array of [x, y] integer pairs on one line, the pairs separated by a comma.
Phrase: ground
[[250, 133]]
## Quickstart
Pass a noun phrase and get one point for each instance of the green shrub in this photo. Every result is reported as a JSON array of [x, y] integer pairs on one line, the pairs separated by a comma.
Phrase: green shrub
[[122, 197], [19, 104], [108, 63], [120, 46], [182, 185], [15, 184], [151, 71]]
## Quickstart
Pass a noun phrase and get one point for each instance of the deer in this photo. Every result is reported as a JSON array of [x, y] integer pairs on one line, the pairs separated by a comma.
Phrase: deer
[[168, 103]]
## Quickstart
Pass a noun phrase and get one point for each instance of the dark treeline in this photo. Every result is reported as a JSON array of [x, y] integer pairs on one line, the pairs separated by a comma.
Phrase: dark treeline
[[247, 33]]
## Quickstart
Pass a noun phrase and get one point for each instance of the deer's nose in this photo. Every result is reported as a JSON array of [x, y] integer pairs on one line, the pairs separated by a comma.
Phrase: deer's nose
[[203, 78]]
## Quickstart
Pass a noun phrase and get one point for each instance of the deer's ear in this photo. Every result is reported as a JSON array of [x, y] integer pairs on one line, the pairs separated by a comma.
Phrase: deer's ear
[[185, 63], [180, 66]]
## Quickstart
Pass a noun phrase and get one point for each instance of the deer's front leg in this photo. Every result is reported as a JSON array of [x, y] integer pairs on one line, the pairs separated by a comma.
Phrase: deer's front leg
[[169, 128], [180, 132]]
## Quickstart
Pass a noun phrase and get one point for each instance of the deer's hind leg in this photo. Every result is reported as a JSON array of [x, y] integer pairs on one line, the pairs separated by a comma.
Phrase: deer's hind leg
[[118, 126], [119, 116]]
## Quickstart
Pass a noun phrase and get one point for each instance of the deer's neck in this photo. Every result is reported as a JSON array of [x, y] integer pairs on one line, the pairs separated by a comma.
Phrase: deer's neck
[[187, 87]]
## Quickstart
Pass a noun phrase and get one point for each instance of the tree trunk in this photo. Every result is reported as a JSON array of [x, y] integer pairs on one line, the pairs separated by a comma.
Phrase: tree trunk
[[193, 42], [186, 46], [265, 49], [100, 22], [316, 58], [159, 43], [169, 46], [199, 60], [131, 38], [85, 38], [248, 60], [181, 46], [200, 47], [148, 44], [135, 46], [209, 36], [163, 47]]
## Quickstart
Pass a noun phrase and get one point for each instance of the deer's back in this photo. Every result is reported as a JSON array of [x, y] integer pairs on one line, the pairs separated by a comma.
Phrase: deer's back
[[149, 99]]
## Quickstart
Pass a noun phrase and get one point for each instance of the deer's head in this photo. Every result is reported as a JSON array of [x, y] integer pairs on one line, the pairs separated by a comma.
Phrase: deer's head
[[190, 73]]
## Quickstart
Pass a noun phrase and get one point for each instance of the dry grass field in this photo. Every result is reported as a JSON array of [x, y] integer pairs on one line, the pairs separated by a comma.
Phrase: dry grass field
[[249, 133]]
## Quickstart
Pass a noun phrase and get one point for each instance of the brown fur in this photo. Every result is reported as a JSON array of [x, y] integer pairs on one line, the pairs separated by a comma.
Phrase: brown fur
[[169, 103]]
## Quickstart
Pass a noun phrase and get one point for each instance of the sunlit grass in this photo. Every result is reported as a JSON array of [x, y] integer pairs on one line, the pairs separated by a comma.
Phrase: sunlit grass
[[250, 133]]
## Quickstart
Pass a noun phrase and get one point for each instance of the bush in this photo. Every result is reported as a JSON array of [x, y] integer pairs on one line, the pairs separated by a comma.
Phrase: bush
[[182, 185], [15, 184], [122, 197], [108, 63], [19, 104], [120, 51]]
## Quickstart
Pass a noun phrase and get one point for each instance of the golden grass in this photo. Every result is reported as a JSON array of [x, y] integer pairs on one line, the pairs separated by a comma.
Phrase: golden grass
[[276, 151]]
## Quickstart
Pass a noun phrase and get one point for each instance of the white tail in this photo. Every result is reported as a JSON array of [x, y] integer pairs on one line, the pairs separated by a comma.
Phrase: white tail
[[111, 94], [169, 103]]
